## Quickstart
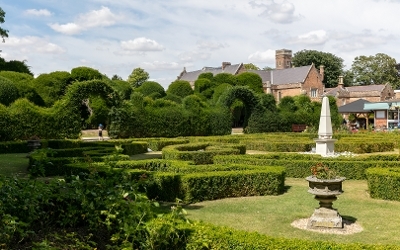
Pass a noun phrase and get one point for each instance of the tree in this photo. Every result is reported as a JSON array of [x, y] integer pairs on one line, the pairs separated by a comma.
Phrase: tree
[[3, 32], [138, 77], [180, 88], [378, 69], [333, 64], [250, 66], [252, 80], [116, 77]]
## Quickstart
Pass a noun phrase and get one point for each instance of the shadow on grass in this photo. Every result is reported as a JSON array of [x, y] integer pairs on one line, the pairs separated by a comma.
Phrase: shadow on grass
[[348, 220]]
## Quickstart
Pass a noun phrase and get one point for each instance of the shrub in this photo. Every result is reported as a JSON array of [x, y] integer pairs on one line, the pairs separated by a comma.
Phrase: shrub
[[384, 183], [8, 91], [150, 88], [252, 80], [85, 74], [180, 88]]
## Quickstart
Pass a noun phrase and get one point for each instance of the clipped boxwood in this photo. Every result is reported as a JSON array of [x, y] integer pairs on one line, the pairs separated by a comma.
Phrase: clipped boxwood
[[156, 144], [384, 183], [201, 153], [14, 147]]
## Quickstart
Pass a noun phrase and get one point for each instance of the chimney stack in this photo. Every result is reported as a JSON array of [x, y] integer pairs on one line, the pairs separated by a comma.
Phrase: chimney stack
[[341, 85], [322, 72], [224, 64]]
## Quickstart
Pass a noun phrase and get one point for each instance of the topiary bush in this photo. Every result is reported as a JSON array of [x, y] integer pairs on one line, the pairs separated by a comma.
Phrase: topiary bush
[[8, 91], [180, 88], [150, 88], [85, 74]]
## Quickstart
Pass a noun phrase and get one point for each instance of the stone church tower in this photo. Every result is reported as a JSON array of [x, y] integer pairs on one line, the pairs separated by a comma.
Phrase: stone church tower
[[283, 59]]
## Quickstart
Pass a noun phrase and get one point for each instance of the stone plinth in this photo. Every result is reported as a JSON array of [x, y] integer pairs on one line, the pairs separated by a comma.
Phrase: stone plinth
[[325, 218], [325, 147]]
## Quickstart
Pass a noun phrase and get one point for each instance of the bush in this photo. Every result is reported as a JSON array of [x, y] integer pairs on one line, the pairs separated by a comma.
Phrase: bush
[[252, 80], [81, 74], [180, 88], [384, 183], [150, 88], [8, 91]]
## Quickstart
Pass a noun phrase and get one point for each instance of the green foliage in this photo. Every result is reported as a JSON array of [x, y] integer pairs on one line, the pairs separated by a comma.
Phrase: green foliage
[[180, 88], [149, 88], [252, 80], [250, 66], [8, 91], [204, 87], [14, 65], [83, 73], [262, 121], [173, 97], [206, 75], [100, 112], [17, 76], [333, 64], [123, 88], [51, 87], [384, 183], [219, 90], [268, 102], [378, 69], [222, 78], [138, 77], [3, 32]]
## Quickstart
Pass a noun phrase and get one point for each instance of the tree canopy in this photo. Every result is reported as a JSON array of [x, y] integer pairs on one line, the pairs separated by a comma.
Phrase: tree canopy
[[250, 66], [378, 69], [3, 32], [138, 77], [333, 64]]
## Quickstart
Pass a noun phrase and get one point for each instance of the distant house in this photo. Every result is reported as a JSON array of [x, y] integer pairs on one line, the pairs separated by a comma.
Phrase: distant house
[[372, 93], [226, 67], [283, 81], [386, 114]]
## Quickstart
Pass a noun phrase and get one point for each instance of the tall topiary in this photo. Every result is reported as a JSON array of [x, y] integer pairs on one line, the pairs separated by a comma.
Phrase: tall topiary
[[85, 74], [225, 78], [180, 88], [252, 80], [8, 91], [150, 88]]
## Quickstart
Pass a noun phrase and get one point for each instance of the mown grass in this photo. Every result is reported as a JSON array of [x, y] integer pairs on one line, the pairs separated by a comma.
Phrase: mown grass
[[14, 164], [273, 215]]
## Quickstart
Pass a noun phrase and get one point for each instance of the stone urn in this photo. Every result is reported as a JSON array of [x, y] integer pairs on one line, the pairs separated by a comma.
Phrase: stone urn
[[33, 144], [325, 191]]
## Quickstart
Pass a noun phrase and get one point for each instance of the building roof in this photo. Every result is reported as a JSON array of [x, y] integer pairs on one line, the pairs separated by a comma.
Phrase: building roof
[[284, 76], [355, 91], [193, 75], [354, 107]]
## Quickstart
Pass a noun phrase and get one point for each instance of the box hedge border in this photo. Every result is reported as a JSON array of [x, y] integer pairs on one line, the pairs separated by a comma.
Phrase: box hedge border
[[384, 183]]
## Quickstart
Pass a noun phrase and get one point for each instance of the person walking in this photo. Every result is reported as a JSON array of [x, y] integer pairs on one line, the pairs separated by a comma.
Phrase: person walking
[[101, 132]]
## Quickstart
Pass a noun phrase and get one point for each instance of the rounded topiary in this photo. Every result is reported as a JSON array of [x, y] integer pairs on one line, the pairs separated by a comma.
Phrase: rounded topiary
[[150, 88], [180, 88], [225, 78], [8, 91], [16, 76], [85, 74], [51, 87], [252, 80], [173, 97]]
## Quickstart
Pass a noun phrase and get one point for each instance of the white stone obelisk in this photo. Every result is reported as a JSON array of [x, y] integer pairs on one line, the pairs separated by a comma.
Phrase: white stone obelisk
[[325, 144]]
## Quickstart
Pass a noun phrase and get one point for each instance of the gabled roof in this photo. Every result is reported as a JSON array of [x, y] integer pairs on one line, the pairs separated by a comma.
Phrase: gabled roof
[[193, 75], [354, 107], [355, 91], [284, 76]]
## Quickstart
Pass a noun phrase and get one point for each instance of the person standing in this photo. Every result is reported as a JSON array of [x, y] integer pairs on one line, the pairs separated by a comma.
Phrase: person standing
[[101, 132]]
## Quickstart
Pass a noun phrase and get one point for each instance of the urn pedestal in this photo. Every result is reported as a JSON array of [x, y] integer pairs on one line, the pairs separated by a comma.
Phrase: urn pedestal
[[325, 192]]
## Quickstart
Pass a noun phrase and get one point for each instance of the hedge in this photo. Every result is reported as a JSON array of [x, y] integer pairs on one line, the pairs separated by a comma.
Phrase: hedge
[[200, 153], [384, 183], [224, 238], [14, 147], [351, 169], [157, 144]]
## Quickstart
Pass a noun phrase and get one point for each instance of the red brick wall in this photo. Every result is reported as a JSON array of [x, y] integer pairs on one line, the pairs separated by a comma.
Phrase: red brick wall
[[313, 81]]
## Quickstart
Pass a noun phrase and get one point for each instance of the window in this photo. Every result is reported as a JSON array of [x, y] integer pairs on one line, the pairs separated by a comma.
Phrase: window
[[314, 93], [380, 114]]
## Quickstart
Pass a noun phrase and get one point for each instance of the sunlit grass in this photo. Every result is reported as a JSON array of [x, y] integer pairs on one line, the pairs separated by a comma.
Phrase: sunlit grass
[[272, 215]]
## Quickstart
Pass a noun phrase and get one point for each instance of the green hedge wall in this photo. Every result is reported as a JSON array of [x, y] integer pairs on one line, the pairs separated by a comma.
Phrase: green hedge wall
[[224, 238], [14, 147], [201, 153], [384, 183], [351, 169]]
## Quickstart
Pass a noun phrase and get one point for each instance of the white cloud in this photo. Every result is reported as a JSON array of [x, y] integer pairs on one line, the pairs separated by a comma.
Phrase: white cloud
[[95, 18], [33, 44], [282, 13], [348, 41], [41, 12], [141, 44], [208, 45], [316, 37], [267, 56], [160, 65], [191, 56]]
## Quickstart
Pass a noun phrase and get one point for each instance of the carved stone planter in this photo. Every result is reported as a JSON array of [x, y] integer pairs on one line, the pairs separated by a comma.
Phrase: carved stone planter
[[325, 192], [33, 144]]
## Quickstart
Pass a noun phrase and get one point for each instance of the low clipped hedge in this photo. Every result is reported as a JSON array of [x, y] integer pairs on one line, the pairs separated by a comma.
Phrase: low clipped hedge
[[201, 153], [224, 238], [384, 183], [351, 169], [14, 147], [169, 179], [157, 144]]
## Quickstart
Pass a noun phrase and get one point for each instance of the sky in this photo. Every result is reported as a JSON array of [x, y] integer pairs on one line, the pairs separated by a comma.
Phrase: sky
[[163, 37]]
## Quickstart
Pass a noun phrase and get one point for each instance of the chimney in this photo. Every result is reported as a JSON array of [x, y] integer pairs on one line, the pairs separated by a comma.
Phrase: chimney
[[269, 87], [182, 73], [340, 84], [224, 64], [283, 59], [321, 72]]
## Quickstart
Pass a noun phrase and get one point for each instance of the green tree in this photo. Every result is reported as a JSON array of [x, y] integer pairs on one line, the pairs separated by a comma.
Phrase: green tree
[[152, 89], [180, 88], [3, 32], [252, 80], [138, 77], [378, 69], [333, 64], [250, 66]]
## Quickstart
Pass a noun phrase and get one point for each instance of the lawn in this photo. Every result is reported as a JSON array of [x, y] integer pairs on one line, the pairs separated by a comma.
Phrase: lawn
[[272, 215], [14, 164]]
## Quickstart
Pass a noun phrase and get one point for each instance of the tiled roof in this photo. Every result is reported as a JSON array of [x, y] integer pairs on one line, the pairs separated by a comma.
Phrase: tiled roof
[[354, 107], [284, 76], [193, 75], [366, 88], [354, 91]]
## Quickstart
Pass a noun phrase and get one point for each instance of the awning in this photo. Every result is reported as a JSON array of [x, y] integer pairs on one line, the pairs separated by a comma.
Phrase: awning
[[376, 106]]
